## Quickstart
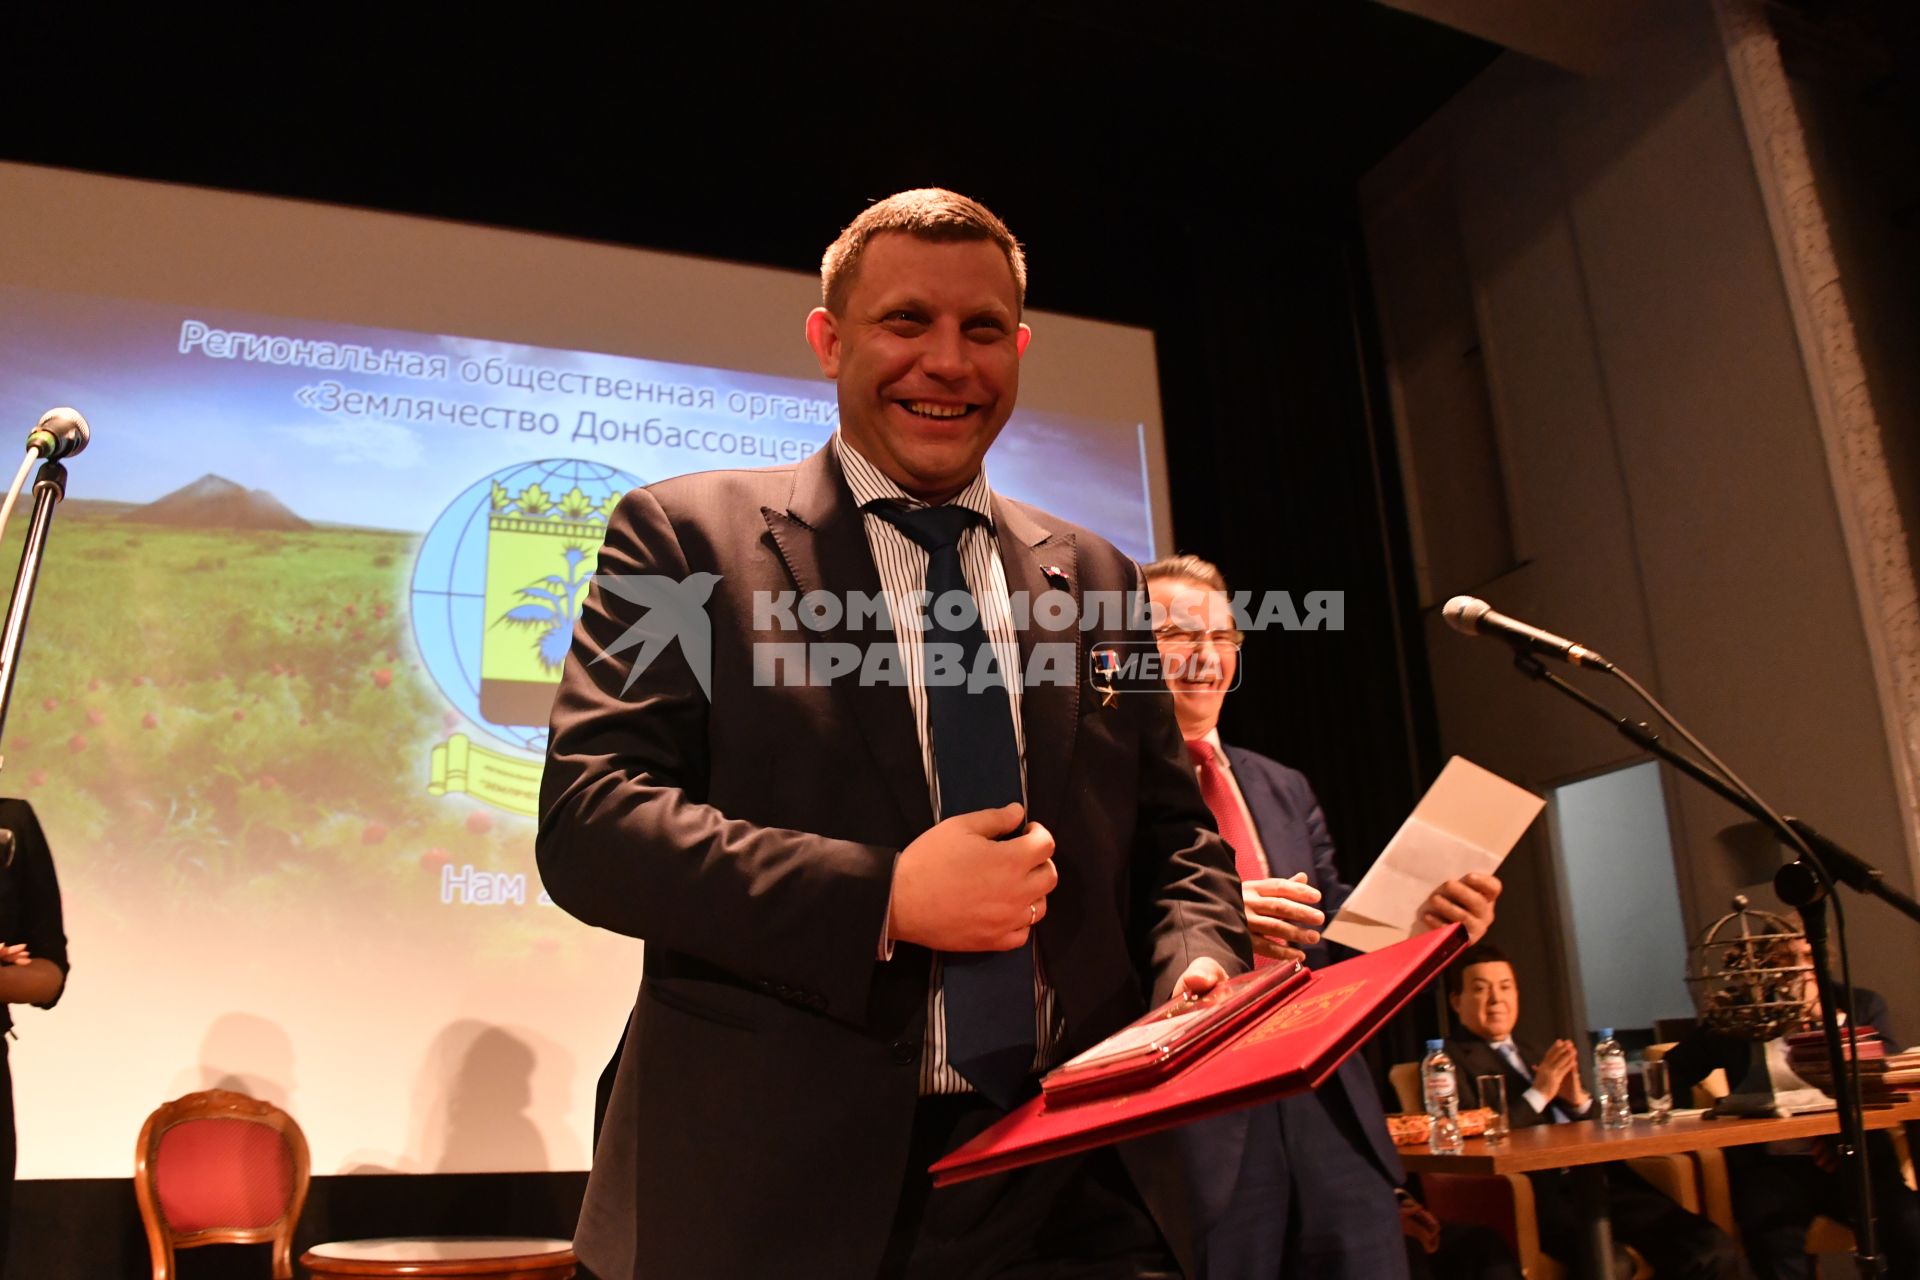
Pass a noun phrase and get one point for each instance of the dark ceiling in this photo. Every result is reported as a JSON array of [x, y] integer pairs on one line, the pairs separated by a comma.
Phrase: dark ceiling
[[752, 132]]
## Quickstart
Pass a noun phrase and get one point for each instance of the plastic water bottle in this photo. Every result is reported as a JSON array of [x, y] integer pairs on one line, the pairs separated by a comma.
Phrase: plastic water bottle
[[1440, 1084], [1610, 1080]]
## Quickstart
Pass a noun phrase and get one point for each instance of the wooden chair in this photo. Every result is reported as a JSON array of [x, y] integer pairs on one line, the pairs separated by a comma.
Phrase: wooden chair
[[220, 1168], [1715, 1201], [1405, 1078], [1671, 1030]]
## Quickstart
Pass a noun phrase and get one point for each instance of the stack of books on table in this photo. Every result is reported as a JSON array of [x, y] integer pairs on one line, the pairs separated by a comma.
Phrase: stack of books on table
[[1885, 1075]]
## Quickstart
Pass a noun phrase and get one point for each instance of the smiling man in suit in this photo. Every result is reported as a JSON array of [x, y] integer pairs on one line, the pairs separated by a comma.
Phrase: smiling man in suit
[[1543, 1087], [875, 908], [1303, 1189]]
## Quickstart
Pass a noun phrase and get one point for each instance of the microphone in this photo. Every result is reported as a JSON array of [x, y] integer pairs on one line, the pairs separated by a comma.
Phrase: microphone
[[1472, 616], [60, 433]]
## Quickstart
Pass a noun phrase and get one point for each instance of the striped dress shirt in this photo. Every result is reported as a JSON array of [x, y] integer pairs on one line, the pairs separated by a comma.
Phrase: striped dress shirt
[[902, 564]]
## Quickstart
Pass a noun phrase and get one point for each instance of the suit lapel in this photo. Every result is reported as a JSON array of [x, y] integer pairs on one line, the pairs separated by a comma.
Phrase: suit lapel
[[1049, 710], [1269, 823], [823, 541], [1493, 1062], [1477, 1058]]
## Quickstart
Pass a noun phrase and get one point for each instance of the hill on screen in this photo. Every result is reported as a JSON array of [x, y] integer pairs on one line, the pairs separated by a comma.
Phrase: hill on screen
[[251, 726], [215, 502]]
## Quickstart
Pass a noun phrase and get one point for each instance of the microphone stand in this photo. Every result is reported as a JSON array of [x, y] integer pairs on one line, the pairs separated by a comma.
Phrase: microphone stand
[[1806, 884], [1854, 871], [49, 488]]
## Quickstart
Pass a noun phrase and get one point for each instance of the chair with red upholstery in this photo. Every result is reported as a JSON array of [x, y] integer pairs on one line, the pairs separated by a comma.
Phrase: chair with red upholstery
[[220, 1168]]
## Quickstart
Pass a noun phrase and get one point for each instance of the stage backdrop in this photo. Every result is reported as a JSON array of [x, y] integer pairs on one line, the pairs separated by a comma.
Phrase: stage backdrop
[[283, 701]]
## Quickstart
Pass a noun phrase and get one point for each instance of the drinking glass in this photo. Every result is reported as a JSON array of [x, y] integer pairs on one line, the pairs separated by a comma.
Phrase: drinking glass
[[1653, 1079], [1493, 1096]]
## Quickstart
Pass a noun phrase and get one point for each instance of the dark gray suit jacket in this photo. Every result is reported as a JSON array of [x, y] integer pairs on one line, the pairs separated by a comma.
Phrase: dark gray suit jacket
[[1294, 832], [758, 1124]]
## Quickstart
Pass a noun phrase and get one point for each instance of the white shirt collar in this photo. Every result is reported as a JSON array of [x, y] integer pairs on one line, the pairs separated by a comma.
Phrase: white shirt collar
[[870, 484]]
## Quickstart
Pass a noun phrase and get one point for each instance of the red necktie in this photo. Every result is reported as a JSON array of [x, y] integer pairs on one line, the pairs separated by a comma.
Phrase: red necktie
[[1217, 791]]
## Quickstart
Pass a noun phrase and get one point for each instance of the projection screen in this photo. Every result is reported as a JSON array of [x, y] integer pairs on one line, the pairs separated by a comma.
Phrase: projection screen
[[281, 731]]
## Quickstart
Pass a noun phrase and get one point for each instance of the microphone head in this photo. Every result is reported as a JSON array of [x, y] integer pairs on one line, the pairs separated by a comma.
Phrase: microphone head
[[60, 433], [1463, 614]]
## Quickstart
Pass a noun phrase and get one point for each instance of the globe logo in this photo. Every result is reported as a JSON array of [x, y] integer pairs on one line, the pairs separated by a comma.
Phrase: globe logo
[[497, 586]]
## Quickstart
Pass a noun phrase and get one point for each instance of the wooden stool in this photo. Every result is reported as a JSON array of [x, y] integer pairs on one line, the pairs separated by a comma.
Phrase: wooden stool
[[491, 1257]]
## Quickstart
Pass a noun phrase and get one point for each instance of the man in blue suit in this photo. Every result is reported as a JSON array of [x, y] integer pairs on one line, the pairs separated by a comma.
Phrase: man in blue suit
[[1305, 1188]]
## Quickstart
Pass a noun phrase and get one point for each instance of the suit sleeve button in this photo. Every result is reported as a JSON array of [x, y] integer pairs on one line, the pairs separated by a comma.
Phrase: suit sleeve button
[[906, 1052]]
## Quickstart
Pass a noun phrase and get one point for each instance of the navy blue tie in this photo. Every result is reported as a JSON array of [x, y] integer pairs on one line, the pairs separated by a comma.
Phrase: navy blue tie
[[989, 994]]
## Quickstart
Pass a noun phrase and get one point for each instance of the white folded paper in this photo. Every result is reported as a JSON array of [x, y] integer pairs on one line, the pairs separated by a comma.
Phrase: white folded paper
[[1469, 820]]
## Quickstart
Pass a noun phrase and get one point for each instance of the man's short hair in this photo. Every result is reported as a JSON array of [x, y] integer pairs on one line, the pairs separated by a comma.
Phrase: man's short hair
[[1187, 569], [931, 213], [1478, 953]]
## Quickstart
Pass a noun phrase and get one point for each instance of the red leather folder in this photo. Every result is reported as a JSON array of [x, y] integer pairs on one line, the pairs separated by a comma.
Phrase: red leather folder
[[1291, 1048], [1166, 1041]]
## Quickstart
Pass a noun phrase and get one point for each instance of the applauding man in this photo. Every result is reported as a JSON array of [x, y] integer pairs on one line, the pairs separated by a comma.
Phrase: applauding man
[[1545, 1088]]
